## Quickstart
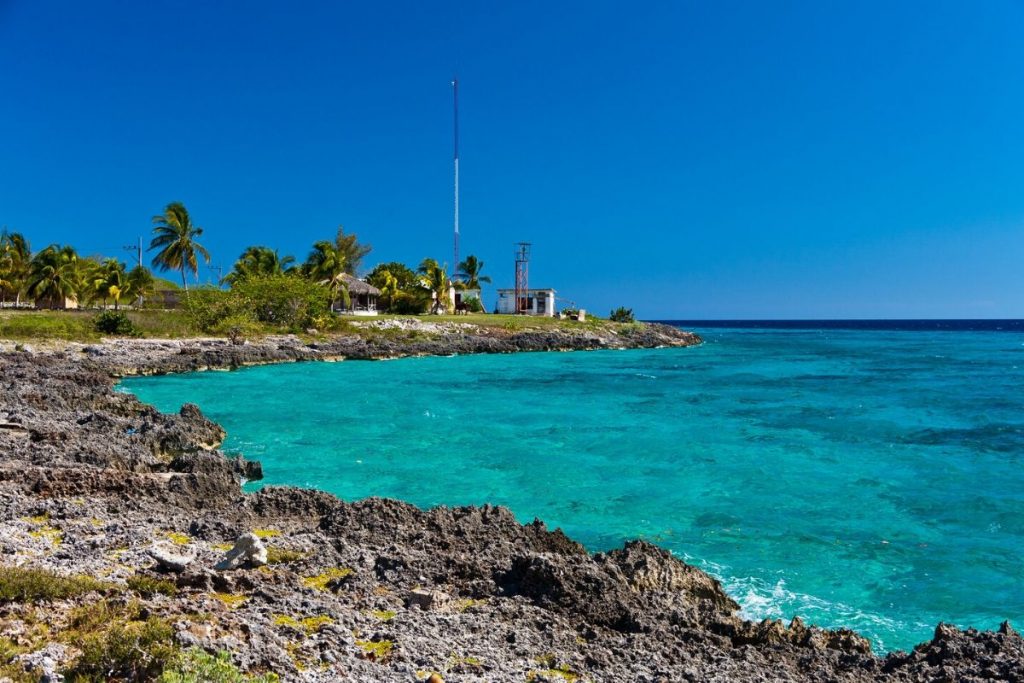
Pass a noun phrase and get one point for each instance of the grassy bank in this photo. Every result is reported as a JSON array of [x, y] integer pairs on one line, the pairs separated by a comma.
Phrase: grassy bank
[[78, 326]]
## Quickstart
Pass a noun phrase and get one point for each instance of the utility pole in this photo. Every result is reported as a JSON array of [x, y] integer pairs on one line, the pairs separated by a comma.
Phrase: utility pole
[[455, 141], [137, 249]]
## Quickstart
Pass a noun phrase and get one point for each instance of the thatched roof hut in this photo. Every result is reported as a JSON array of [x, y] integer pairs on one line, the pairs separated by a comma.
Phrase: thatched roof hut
[[362, 296]]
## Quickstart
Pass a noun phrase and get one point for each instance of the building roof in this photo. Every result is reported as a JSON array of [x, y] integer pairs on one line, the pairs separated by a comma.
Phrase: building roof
[[357, 286]]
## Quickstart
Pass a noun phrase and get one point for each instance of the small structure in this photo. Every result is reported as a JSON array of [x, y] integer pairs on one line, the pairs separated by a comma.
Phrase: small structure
[[531, 302], [362, 297], [56, 302], [459, 297]]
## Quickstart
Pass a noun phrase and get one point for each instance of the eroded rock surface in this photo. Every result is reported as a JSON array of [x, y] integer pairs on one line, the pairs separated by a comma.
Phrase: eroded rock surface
[[374, 590]]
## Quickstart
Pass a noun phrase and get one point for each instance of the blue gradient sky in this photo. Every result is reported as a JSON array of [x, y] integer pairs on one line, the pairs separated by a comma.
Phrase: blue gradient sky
[[689, 160]]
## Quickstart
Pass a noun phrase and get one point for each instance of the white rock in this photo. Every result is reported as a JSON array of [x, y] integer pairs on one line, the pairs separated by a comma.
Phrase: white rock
[[169, 558], [249, 549]]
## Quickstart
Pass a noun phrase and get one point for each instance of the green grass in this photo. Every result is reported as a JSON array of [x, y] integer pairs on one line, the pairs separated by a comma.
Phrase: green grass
[[46, 325], [197, 666], [77, 325], [21, 584], [147, 586]]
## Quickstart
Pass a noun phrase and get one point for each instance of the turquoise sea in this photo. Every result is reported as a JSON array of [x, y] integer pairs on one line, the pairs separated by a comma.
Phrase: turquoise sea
[[868, 478]]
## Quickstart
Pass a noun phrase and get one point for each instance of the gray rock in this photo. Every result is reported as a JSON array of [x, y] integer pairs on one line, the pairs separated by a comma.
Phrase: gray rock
[[248, 551], [168, 558], [427, 599]]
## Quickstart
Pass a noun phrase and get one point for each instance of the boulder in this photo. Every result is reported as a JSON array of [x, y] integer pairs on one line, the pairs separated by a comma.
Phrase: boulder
[[169, 558], [248, 551], [427, 599]]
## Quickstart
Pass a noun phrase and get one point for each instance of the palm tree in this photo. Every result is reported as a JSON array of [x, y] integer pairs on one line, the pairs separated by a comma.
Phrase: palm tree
[[469, 273], [435, 278], [140, 280], [112, 280], [53, 275], [326, 265], [176, 240], [259, 262], [15, 257]]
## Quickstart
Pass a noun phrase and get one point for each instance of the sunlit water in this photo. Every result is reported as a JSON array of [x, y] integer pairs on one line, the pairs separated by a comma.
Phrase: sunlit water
[[868, 479]]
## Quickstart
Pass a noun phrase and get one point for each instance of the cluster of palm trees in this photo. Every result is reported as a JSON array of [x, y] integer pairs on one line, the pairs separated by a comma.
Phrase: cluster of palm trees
[[57, 274]]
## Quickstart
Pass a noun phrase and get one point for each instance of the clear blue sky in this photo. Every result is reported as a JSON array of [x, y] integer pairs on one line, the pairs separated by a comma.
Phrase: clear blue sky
[[717, 159]]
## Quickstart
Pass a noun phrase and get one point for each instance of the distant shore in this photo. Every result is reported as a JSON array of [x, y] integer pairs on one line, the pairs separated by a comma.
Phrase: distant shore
[[372, 590]]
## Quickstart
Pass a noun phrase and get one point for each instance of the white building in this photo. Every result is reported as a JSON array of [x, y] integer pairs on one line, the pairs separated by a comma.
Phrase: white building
[[537, 302]]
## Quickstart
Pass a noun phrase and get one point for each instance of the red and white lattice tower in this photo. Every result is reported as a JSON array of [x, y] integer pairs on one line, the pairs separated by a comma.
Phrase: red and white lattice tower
[[522, 277]]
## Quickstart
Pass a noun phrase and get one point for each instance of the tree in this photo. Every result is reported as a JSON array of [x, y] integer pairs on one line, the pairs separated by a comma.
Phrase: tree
[[388, 286], [15, 260], [142, 283], [176, 240], [435, 279], [112, 280], [326, 266], [52, 275], [259, 262], [469, 273], [407, 278], [351, 251], [622, 315]]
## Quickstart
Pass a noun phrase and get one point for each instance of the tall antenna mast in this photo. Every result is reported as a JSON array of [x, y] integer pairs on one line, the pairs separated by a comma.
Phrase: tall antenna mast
[[455, 141]]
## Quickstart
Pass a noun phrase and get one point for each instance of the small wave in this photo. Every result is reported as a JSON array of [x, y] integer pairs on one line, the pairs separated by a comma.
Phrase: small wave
[[763, 599]]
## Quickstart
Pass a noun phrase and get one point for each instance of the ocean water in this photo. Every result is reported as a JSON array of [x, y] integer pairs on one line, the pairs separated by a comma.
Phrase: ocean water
[[867, 478]]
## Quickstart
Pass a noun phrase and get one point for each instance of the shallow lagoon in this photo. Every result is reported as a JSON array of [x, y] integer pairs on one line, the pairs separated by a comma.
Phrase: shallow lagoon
[[859, 478]]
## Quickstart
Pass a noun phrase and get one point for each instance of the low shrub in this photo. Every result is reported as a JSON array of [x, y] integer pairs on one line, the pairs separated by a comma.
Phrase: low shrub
[[198, 666], [114, 322], [21, 584], [147, 586], [118, 642]]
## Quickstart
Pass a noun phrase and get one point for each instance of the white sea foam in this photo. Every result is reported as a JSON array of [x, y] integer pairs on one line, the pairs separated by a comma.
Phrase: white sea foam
[[764, 599]]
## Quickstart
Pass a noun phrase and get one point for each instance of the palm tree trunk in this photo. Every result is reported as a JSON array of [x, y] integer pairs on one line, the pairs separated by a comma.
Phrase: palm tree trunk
[[183, 282]]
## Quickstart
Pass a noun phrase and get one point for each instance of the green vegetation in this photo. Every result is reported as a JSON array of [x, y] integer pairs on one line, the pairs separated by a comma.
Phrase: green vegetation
[[377, 650], [259, 262], [383, 614], [309, 625], [469, 271], [147, 586], [277, 555], [118, 642], [195, 665], [15, 257], [622, 315], [114, 322], [175, 237], [23, 584], [266, 533], [265, 293], [553, 670], [321, 582], [178, 538], [435, 279], [466, 604], [230, 600]]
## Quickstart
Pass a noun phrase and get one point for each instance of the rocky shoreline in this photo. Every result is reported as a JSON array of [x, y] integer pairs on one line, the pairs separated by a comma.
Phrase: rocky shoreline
[[96, 483]]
